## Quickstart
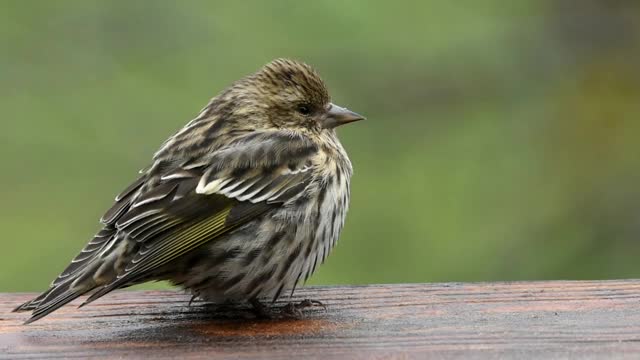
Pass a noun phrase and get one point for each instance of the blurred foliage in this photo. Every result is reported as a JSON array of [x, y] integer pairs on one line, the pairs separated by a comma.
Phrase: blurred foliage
[[501, 141]]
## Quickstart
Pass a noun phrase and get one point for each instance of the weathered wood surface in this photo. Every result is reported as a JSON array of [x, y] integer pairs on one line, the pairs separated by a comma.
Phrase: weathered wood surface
[[559, 319]]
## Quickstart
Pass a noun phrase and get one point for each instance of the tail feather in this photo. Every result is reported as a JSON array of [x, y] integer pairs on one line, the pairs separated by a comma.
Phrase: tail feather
[[55, 298], [91, 268], [102, 292], [33, 303], [59, 295], [118, 283], [50, 306]]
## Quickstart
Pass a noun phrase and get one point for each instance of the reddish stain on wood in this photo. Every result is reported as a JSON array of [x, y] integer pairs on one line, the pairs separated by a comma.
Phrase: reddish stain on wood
[[277, 327], [575, 319]]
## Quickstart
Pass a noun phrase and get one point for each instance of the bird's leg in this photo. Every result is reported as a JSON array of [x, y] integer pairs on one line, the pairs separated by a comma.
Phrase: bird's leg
[[261, 310], [295, 309], [193, 298]]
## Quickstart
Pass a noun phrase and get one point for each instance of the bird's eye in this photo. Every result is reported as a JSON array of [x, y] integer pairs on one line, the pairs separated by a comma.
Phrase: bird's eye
[[304, 109]]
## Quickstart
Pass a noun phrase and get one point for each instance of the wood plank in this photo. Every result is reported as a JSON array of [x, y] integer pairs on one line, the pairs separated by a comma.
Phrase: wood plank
[[558, 319]]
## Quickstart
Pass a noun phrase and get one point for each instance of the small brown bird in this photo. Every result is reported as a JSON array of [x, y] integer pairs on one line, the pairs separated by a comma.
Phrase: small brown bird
[[240, 204]]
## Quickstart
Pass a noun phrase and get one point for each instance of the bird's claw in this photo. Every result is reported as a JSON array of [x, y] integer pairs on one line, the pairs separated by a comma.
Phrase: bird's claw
[[295, 309], [193, 298]]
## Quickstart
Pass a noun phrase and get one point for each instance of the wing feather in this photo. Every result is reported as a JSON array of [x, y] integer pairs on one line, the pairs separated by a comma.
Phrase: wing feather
[[178, 205], [239, 183]]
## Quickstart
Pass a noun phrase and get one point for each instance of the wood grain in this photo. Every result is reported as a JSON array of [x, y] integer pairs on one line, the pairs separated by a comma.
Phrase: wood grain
[[558, 319]]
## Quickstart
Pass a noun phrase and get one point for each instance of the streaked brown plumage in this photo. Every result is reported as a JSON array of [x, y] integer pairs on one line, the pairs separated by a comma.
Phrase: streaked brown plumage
[[240, 204]]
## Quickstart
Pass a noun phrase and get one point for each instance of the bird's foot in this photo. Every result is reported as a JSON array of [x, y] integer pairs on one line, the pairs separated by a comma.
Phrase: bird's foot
[[261, 310], [295, 309]]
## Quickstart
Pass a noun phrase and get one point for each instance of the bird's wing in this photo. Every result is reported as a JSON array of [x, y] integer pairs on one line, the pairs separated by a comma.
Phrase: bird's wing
[[199, 200], [183, 205], [269, 166]]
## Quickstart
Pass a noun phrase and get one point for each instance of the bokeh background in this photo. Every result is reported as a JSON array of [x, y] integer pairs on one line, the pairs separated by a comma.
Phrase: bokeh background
[[502, 140]]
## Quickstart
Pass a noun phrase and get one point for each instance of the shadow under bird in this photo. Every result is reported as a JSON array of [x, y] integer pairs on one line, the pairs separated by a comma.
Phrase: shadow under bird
[[240, 204]]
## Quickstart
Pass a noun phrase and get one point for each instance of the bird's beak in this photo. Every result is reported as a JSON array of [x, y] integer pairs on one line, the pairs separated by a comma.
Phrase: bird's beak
[[337, 116]]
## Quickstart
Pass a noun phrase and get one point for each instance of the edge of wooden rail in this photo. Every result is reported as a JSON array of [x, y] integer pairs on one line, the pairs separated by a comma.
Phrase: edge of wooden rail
[[545, 319]]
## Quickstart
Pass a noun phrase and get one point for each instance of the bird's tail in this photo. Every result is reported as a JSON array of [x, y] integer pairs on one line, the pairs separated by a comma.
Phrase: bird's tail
[[59, 295], [93, 267]]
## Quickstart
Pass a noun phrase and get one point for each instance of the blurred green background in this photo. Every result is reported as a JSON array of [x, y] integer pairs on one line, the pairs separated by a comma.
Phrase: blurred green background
[[502, 139]]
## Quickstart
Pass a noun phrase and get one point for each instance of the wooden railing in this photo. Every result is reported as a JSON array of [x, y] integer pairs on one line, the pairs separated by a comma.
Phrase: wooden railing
[[557, 319]]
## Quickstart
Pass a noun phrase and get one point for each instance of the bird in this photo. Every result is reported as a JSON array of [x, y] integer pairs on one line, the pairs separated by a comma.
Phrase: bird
[[241, 204]]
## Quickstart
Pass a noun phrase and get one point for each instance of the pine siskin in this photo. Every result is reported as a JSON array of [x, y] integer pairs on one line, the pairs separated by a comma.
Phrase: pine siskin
[[240, 204]]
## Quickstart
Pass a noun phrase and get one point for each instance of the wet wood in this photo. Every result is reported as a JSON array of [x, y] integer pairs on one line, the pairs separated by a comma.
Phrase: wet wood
[[559, 319]]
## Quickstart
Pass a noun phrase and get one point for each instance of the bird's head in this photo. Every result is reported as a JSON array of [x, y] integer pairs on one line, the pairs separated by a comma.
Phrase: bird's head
[[289, 94]]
